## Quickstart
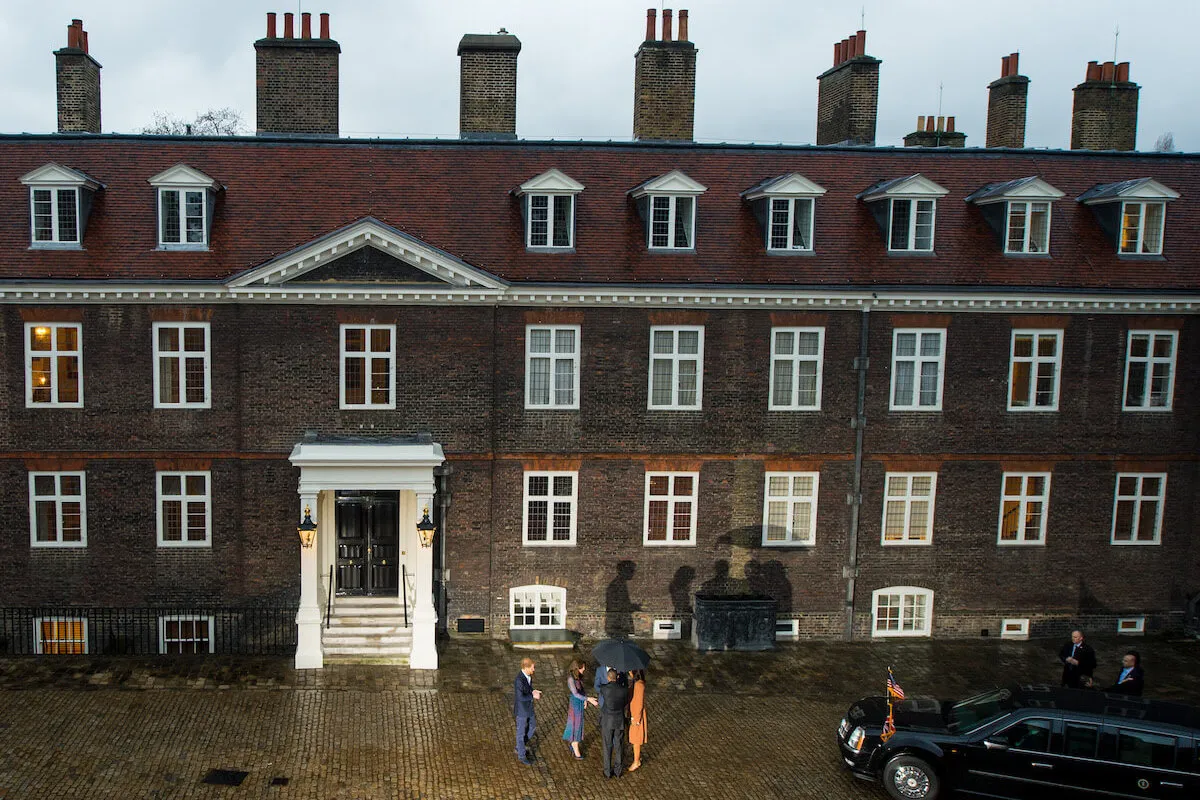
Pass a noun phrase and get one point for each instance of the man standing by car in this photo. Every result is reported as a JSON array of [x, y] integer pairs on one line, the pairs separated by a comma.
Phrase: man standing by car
[[1131, 679], [1078, 660]]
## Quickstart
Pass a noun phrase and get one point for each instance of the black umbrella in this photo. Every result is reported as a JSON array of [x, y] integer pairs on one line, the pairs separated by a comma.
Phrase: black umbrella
[[621, 655]]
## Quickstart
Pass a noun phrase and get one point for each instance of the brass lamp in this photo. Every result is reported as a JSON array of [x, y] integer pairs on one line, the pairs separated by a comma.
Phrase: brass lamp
[[307, 529], [426, 529]]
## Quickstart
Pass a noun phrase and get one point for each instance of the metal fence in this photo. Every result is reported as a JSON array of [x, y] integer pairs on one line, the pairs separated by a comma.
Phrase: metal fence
[[66, 630]]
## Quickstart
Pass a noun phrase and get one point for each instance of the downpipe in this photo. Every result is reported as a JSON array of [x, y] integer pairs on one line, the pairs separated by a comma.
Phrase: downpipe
[[854, 499]]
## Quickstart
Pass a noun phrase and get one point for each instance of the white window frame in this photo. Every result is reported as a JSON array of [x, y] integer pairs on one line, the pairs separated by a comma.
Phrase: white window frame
[[554, 357], [918, 360], [1139, 499], [181, 193], [907, 596], [183, 498], [39, 644], [1150, 360], [367, 356], [182, 357], [1140, 240], [672, 499], [792, 537], [914, 213], [58, 498], [1025, 240], [54, 354], [675, 357], [1035, 361], [792, 362], [162, 631], [552, 199], [672, 206], [1023, 499], [56, 241], [551, 498], [790, 213], [556, 594], [1131, 626], [909, 538]]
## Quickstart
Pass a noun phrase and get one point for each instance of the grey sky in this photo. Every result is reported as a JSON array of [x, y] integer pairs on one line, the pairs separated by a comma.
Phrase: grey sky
[[758, 60]]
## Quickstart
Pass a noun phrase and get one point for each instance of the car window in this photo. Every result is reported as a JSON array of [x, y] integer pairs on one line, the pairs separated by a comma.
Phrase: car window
[[974, 711], [1080, 740], [1145, 749], [1029, 734]]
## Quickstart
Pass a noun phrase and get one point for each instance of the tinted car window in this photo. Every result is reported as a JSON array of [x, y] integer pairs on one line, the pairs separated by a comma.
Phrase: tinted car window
[[972, 712], [1145, 749], [1080, 740], [1030, 734]]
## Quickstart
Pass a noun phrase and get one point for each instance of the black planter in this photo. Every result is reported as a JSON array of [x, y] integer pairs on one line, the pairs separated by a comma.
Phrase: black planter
[[734, 622]]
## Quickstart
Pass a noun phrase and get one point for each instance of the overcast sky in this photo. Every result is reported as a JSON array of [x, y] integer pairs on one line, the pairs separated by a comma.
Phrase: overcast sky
[[758, 61]]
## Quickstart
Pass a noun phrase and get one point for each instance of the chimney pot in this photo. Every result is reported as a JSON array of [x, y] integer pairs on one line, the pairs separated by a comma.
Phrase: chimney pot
[[666, 37], [324, 26], [920, 122], [949, 124], [83, 41], [1004, 66], [651, 25], [1012, 63], [836, 49], [287, 26], [306, 25], [1104, 115], [852, 46], [847, 53], [1093, 71], [1109, 72], [272, 32], [941, 124], [862, 42], [78, 84], [1123, 72], [664, 83], [683, 25], [929, 122], [848, 94]]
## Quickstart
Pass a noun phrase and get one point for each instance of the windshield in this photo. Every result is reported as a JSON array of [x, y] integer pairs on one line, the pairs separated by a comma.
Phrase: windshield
[[974, 711]]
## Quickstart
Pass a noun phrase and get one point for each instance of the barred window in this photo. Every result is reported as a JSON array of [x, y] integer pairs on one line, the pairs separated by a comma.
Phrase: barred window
[[60, 636], [185, 635]]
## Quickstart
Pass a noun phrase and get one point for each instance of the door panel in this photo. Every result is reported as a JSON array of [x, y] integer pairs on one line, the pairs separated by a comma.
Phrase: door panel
[[368, 543], [351, 546]]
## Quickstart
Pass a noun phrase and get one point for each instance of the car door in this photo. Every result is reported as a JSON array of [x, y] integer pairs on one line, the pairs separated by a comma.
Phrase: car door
[[1016, 760], [1146, 765]]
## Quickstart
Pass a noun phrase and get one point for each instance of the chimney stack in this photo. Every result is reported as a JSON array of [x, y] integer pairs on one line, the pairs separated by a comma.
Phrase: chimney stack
[[664, 83], [78, 78], [297, 79], [935, 132], [848, 94], [1008, 96], [1105, 113], [487, 100]]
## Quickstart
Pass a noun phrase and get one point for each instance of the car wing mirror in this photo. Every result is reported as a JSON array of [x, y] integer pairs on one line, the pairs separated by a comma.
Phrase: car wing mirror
[[995, 744]]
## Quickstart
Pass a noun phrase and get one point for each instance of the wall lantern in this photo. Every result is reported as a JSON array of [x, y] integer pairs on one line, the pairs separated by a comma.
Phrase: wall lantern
[[307, 529], [426, 529]]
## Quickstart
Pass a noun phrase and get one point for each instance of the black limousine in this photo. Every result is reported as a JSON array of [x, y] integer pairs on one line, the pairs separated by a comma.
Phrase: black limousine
[[1027, 742]]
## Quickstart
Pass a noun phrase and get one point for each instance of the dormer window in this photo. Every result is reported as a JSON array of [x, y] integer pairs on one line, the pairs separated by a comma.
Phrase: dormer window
[[185, 208], [60, 200], [1132, 213], [548, 207], [905, 209], [1019, 212], [784, 206], [667, 205]]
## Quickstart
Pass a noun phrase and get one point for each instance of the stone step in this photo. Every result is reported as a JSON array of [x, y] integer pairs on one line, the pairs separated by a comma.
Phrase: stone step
[[363, 611], [398, 661], [366, 641], [390, 620], [354, 600], [360, 650], [371, 626]]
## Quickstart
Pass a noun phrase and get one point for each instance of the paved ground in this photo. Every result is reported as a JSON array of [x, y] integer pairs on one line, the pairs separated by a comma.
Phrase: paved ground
[[721, 725]]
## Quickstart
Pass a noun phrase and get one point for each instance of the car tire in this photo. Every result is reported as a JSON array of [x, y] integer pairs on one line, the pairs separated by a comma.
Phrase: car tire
[[907, 777]]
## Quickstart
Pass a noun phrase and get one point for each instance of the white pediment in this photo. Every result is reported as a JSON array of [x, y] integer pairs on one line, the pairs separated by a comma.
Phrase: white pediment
[[916, 186], [182, 175], [368, 232], [1149, 189], [791, 185], [1031, 188], [1036, 189], [550, 182], [674, 182], [57, 175]]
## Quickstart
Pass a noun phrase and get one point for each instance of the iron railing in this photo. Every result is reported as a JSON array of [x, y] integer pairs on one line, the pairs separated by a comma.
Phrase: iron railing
[[66, 630]]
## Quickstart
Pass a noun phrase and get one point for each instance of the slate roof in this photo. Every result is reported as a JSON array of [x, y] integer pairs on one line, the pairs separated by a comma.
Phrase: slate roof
[[283, 193]]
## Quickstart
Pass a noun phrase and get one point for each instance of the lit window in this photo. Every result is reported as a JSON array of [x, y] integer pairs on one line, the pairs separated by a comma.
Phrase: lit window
[[1142, 228], [57, 509], [676, 367], [908, 507], [1150, 370], [670, 508], [1028, 227], [901, 611], [1024, 498], [53, 364], [796, 355], [550, 505], [1034, 370], [534, 607], [185, 635], [181, 365], [911, 224], [790, 508], [1138, 507], [368, 358], [60, 636], [552, 366], [184, 509], [918, 357], [791, 223]]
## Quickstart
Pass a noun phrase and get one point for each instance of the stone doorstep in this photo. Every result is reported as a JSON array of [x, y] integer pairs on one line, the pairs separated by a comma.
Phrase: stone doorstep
[[543, 645]]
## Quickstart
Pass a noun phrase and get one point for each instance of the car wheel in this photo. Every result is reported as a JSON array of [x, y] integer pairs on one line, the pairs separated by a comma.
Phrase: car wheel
[[910, 778]]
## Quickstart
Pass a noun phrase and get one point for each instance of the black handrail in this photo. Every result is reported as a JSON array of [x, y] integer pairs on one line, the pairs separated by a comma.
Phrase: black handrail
[[404, 590], [329, 597]]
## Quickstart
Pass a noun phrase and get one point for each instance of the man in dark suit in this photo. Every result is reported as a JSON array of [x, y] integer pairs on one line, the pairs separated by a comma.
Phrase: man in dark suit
[[1131, 679], [1078, 659], [614, 699], [523, 696]]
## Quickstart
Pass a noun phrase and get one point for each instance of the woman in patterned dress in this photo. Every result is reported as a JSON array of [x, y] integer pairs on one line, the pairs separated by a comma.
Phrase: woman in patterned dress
[[573, 732]]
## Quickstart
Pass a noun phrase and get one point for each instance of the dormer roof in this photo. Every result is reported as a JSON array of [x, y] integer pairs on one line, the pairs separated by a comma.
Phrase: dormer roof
[[551, 181], [914, 186], [1136, 189], [1031, 188], [57, 175], [181, 175], [674, 182], [792, 184]]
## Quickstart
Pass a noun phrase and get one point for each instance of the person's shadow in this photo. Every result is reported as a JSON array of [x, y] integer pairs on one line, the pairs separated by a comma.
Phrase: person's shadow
[[618, 608], [721, 583], [770, 580]]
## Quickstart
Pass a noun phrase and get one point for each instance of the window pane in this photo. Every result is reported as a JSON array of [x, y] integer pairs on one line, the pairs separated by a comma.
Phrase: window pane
[[1130, 226], [168, 380], [539, 485], [660, 221], [683, 522], [168, 339], [924, 227], [1135, 388], [785, 343], [40, 338], [806, 388], [66, 216], [1147, 520], [1039, 228], [196, 484], [539, 381], [929, 383], [779, 223], [802, 225], [43, 216], [169, 210], [656, 523], [664, 342], [1146, 749], [660, 484], [1152, 228], [539, 223], [194, 216], [781, 391], [661, 382], [1010, 521], [1016, 227], [539, 340], [564, 341], [356, 384], [1033, 735], [194, 379], [689, 342], [687, 383], [46, 529], [901, 209], [683, 485], [683, 221], [68, 379], [777, 486], [1020, 384], [904, 383], [1163, 346], [562, 220], [564, 381], [809, 343], [1080, 740], [381, 340], [538, 520], [356, 340]]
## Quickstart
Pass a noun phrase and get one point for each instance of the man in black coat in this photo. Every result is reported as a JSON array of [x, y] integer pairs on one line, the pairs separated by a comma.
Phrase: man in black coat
[[1078, 659], [1131, 679], [614, 698], [523, 696]]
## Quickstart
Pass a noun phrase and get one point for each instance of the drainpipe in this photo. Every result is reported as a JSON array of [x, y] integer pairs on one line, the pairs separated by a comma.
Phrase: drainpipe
[[442, 576], [859, 423]]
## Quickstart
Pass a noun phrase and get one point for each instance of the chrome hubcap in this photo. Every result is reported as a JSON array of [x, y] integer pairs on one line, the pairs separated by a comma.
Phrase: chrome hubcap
[[911, 782]]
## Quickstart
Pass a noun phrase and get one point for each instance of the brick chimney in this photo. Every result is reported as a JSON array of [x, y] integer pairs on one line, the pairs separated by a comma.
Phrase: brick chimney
[[297, 79], [1008, 96], [664, 82], [78, 77], [848, 94], [939, 134], [487, 100], [1105, 114]]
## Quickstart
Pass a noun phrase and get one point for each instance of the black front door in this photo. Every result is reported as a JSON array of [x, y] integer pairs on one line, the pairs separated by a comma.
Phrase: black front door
[[368, 543]]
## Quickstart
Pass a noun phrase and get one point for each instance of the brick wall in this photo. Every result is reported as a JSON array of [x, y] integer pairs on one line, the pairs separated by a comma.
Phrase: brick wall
[[488, 92], [78, 78], [1007, 100], [848, 102], [296, 82], [664, 90], [1104, 116]]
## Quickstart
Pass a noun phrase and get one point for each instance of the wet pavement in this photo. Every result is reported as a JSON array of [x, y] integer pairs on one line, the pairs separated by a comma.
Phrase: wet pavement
[[721, 725]]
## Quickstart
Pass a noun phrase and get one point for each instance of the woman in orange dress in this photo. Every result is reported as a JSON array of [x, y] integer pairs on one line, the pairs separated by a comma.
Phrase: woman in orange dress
[[637, 715]]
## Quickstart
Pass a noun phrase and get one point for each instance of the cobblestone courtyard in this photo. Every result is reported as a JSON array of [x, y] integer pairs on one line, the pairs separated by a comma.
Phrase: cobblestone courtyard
[[721, 725]]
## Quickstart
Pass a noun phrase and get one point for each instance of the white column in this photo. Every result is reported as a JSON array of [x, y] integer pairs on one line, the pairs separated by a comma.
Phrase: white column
[[424, 645], [308, 618]]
